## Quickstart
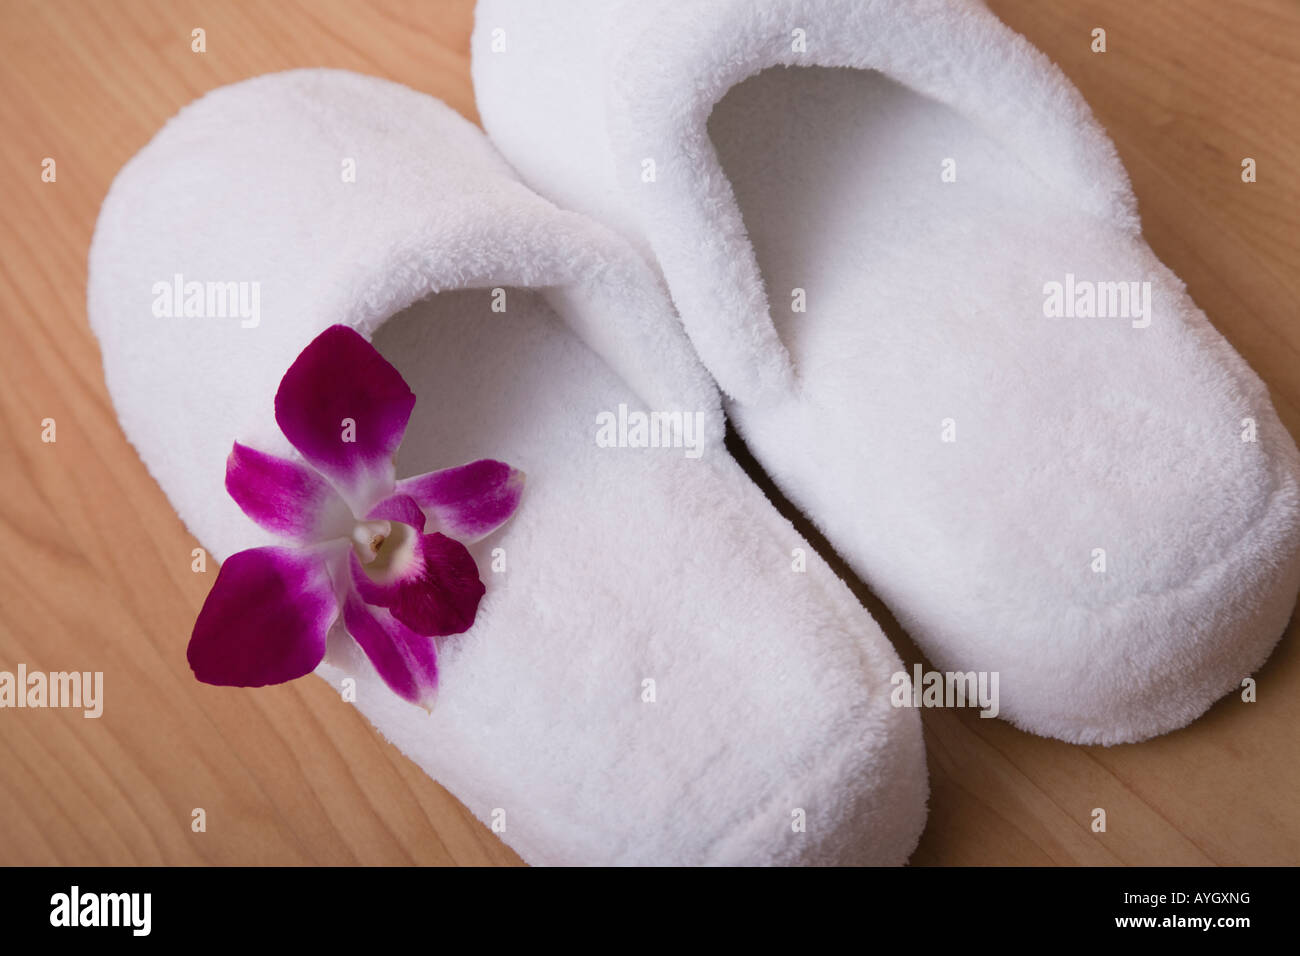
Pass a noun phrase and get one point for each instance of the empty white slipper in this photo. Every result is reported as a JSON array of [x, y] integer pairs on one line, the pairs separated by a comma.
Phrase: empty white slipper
[[629, 669], [921, 283]]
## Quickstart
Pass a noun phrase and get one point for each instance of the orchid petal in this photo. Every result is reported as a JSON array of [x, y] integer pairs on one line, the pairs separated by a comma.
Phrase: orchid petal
[[265, 620], [469, 501], [429, 582], [406, 661], [399, 508], [345, 409], [284, 497]]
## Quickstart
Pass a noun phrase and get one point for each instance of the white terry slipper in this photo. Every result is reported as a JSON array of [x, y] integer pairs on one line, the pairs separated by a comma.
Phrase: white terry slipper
[[912, 260], [629, 667]]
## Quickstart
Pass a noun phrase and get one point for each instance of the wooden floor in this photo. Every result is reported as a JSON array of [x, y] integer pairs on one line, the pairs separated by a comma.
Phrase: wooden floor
[[95, 566]]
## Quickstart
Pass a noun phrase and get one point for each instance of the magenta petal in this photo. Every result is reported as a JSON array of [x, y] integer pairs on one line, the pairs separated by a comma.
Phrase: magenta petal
[[468, 501], [345, 409], [407, 662], [284, 497], [265, 619], [398, 508], [432, 585]]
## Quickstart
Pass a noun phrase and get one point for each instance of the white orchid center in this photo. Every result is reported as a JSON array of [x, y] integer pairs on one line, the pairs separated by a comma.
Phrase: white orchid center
[[385, 548], [368, 539]]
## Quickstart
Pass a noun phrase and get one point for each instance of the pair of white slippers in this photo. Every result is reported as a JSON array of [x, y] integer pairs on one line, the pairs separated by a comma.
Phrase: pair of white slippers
[[910, 270]]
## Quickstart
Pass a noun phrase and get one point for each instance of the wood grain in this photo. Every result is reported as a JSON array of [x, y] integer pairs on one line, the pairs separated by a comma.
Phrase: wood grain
[[95, 566]]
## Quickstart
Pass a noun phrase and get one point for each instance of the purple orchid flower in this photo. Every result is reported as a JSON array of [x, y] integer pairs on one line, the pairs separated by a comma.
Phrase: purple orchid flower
[[363, 550]]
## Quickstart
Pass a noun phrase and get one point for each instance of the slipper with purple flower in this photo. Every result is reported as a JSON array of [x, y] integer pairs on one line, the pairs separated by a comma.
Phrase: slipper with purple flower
[[646, 664]]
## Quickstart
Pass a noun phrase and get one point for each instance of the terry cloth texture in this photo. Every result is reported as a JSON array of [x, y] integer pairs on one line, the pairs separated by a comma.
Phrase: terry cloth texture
[[911, 258]]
